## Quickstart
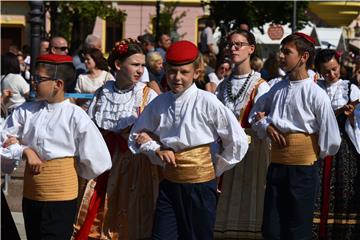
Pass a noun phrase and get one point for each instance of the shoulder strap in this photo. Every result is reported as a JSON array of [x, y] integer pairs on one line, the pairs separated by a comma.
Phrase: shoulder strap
[[255, 90], [146, 91]]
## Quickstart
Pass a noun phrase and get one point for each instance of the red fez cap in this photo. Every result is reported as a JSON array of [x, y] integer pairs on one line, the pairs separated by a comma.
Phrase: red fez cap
[[307, 37], [54, 59], [181, 53]]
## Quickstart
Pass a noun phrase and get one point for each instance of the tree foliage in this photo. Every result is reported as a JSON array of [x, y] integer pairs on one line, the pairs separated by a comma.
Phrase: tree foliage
[[74, 20], [257, 13], [169, 21]]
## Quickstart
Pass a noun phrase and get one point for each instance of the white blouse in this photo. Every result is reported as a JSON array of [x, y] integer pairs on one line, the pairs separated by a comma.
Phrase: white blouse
[[236, 83], [60, 130], [191, 119], [338, 93], [298, 106], [113, 109], [85, 84]]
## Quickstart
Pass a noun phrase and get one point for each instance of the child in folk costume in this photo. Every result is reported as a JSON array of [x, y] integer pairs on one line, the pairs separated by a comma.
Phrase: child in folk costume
[[58, 141], [240, 208], [186, 120], [126, 197], [337, 212], [302, 126]]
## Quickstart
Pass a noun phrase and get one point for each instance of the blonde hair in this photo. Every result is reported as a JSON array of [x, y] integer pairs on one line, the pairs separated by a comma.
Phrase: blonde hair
[[152, 58], [256, 63]]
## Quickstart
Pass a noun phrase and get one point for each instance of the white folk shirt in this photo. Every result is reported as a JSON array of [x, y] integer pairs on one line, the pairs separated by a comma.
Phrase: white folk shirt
[[191, 119], [298, 106], [338, 94], [60, 130]]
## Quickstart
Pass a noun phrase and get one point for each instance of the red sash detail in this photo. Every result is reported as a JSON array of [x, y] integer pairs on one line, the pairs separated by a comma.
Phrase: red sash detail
[[95, 202], [112, 140], [325, 196], [244, 121]]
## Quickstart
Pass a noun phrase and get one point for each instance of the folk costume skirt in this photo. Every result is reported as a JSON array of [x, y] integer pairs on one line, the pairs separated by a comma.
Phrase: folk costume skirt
[[127, 209], [337, 208], [240, 207]]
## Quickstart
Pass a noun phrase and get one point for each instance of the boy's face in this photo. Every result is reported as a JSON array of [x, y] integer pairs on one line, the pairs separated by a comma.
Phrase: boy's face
[[180, 78], [44, 85], [289, 57]]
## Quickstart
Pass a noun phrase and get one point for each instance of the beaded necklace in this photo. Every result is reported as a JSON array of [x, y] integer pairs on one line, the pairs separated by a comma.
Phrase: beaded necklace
[[241, 91]]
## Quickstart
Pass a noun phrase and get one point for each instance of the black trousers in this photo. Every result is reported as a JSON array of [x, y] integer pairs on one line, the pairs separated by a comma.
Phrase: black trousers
[[8, 227], [52, 220], [289, 202], [185, 211]]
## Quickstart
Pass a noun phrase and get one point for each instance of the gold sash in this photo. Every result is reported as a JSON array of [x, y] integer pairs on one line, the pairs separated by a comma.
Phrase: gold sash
[[301, 149], [57, 181], [194, 165]]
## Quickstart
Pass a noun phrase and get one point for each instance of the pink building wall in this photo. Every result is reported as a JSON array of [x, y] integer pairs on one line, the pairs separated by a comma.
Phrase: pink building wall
[[138, 20]]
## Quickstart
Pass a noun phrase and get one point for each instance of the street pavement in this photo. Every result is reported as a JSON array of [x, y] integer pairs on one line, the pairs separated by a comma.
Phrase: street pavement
[[14, 198]]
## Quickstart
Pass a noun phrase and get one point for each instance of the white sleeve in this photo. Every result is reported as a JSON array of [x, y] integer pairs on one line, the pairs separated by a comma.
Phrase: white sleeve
[[263, 104], [78, 83], [354, 131], [354, 93], [234, 140], [24, 87], [262, 89], [147, 121], [329, 134], [93, 155], [11, 156]]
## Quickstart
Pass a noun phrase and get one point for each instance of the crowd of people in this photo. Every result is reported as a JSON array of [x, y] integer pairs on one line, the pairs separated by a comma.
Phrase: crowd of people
[[185, 142]]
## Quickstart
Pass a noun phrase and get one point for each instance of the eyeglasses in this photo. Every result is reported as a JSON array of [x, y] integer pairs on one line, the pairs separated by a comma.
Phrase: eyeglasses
[[39, 79], [237, 45], [63, 49]]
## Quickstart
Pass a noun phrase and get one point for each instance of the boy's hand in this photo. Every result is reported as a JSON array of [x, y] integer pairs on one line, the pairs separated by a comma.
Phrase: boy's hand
[[142, 138], [10, 141], [34, 162], [275, 135], [166, 155], [259, 116]]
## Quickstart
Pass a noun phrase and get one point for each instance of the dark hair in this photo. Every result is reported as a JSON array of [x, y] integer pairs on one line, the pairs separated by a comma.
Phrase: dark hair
[[9, 64], [98, 57], [160, 35], [64, 71], [221, 61], [210, 22], [146, 39], [324, 56], [302, 45], [248, 35], [117, 53]]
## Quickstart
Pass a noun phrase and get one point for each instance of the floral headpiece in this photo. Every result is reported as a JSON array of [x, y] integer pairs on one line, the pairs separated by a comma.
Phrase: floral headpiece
[[122, 48]]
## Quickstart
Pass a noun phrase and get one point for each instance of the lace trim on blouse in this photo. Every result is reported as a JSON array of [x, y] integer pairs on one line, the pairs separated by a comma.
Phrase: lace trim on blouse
[[116, 110]]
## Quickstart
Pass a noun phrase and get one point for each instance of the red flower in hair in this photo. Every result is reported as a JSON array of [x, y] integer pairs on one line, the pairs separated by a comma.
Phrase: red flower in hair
[[337, 55], [122, 48]]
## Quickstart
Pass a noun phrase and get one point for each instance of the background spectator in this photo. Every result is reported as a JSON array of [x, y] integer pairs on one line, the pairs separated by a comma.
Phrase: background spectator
[[12, 80]]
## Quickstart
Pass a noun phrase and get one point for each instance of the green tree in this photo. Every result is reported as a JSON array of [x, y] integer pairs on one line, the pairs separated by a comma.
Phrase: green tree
[[169, 22], [257, 13], [74, 20]]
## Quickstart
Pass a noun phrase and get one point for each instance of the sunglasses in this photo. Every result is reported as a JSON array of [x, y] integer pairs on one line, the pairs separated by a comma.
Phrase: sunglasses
[[237, 45], [39, 79], [61, 48]]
